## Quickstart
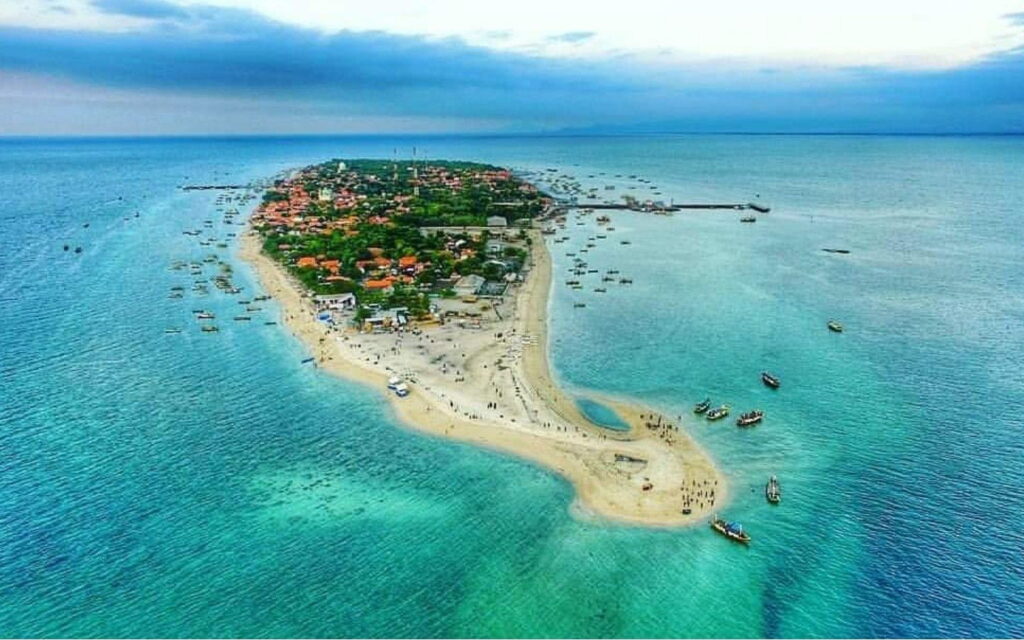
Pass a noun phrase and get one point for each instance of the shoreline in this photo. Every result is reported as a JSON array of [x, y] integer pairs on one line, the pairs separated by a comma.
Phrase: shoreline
[[641, 476]]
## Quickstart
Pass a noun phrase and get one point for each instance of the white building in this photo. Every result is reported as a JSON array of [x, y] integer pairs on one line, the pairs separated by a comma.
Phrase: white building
[[336, 302], [497, 221]]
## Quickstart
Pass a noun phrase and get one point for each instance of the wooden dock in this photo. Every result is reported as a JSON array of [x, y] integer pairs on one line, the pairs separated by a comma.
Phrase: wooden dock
[[653, 208]]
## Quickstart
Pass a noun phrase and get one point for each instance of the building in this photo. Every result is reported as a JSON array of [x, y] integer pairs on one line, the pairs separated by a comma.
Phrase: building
[[337, 302], [325, 195], [497, 221], [495, 247], [468, 285]]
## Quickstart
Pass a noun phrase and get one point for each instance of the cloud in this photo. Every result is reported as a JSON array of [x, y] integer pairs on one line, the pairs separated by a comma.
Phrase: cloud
[[204, 53], [140, 8], [1015, 18], [572, 36]]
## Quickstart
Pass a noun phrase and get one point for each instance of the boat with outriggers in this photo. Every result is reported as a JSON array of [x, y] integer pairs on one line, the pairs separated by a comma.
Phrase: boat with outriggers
[[772, 492], [718, 412], [770, 381], [702, 406], [750, 418], [835, 326], [732, 530]]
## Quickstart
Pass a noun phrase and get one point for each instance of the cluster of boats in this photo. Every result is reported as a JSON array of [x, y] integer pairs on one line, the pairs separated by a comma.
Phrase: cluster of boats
[[734, 530], [745, 420]]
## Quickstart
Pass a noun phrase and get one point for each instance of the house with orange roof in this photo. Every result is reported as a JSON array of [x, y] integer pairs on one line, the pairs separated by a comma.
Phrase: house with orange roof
[[306, 262], [379, 285]]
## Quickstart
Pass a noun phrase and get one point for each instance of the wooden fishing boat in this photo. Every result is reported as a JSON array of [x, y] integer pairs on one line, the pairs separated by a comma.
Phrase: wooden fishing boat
[[732, 530], [772, 492], [718, 413], [749, 419]]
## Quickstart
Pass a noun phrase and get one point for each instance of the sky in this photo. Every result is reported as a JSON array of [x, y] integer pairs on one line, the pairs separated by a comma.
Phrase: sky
[[157, 67]]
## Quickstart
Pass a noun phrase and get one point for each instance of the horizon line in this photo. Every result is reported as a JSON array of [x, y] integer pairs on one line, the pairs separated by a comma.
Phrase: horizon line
[[524, 134]]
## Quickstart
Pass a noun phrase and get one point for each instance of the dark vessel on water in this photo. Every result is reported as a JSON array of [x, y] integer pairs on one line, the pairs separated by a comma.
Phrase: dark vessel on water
[[835, 326], [732, 530], [702, 406], [750, 419], [770, 380], [718, 413], [772, 492]]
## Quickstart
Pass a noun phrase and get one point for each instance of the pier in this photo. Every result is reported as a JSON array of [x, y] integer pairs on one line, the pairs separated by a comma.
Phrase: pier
[[662, 208], [207, 187]]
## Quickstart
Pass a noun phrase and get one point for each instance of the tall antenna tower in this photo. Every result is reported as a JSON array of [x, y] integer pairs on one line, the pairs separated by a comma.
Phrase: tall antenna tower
[[415, 175]]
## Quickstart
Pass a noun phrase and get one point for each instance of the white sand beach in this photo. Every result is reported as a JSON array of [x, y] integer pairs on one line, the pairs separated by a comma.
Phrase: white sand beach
[[492, 385]]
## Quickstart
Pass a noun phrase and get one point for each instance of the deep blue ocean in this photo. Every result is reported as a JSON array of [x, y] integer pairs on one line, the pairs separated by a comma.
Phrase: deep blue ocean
[[212, 485]]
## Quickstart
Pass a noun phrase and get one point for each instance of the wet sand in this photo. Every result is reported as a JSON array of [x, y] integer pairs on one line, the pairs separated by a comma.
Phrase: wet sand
[[492, 386]]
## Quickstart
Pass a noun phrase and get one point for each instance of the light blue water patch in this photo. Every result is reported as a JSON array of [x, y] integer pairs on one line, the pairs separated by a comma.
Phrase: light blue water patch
[[601, 414]]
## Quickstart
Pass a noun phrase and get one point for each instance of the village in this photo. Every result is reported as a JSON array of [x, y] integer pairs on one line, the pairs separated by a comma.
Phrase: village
[[388, 245]]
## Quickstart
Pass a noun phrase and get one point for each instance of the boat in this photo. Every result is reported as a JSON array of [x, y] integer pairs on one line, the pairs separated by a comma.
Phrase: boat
[[269, 322], [702, 406], [243, 318], [732, 530], [748, 219], [579, 305], [772, 492], [308, 360], [210, 329], [172, 330], [718, 412], [600, 290], [770, 381], [750, 418], [206, 315], [835, 326]]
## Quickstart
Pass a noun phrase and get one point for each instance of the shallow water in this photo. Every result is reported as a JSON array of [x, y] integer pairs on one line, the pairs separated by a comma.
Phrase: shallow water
[[601, 415], [212, 485]]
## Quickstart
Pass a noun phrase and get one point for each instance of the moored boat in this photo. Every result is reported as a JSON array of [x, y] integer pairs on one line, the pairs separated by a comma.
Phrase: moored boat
[[750, 418], [732, 530], [835, 326], [702, 406], [772, 492], [718, 412], [770, 380]]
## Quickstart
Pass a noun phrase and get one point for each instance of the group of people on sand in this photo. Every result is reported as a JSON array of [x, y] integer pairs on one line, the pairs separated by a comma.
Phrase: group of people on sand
[[701, 495]]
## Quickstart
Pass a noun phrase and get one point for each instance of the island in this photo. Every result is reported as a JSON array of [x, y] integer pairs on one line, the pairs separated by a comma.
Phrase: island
[[430, 282]]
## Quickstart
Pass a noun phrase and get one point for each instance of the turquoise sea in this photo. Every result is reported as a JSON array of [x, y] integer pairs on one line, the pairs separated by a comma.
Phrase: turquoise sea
[[212, 485]]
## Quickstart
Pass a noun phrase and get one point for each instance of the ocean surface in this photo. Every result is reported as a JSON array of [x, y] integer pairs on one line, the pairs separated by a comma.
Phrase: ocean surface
[[195, 484]]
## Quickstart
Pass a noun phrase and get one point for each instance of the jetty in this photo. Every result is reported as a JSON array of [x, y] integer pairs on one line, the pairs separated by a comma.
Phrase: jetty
[[207, 187], [657, 207]]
